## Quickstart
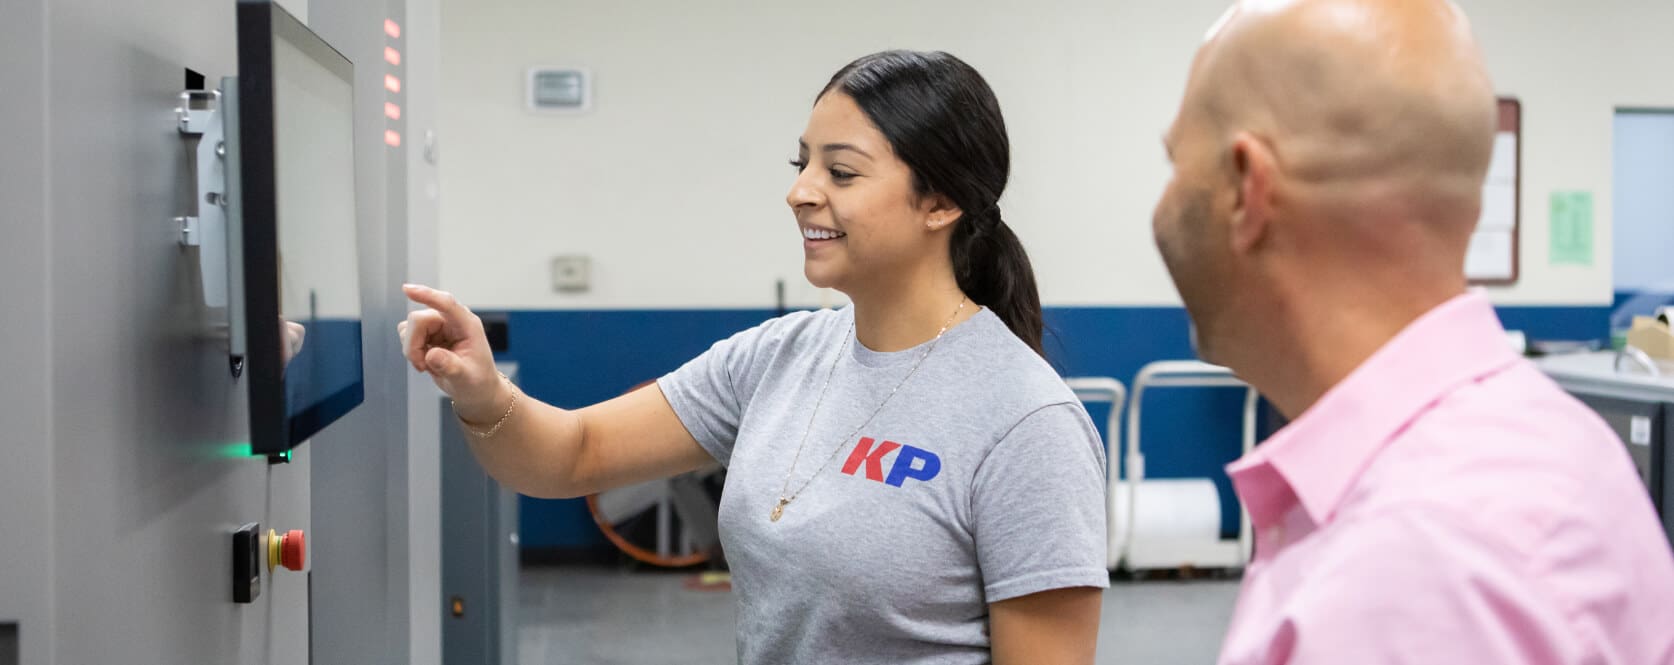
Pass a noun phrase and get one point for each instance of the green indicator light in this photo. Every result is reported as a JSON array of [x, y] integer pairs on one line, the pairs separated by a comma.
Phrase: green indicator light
[[232, 450]]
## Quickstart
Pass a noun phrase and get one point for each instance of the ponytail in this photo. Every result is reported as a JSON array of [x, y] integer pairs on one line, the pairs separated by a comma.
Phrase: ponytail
[[993, 269]]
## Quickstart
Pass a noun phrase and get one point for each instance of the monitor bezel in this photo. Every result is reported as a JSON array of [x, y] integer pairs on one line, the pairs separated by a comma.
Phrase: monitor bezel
[[261, 25]]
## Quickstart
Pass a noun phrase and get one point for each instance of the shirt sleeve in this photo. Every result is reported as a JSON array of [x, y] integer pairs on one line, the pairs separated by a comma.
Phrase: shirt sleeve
[[1410, 588], [711, 392], [1038, 506]]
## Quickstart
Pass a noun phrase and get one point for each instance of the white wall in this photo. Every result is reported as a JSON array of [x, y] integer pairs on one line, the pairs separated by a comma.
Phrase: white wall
[[674, 185], [1573, 64]]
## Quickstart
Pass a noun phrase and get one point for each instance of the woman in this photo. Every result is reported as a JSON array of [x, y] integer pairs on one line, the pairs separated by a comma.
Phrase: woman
[[909, 481]]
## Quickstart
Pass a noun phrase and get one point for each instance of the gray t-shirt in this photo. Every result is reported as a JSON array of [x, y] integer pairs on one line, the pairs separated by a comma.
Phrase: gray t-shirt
[[982, 480]]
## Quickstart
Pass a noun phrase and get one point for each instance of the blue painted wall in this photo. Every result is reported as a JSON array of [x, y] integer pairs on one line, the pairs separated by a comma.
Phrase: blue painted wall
[[576, 358]]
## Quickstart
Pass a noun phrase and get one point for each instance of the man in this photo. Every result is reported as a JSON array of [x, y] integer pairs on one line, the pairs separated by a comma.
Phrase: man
[[1435, 499]]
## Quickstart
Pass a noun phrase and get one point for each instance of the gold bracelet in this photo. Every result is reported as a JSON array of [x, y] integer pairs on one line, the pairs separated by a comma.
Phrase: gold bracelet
[[484, 434]]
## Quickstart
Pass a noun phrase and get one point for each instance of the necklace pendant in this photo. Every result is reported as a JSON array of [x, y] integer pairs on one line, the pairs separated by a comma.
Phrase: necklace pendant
[[778, 511]]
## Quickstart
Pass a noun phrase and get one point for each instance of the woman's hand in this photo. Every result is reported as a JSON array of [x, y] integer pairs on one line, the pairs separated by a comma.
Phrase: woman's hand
[[446, 341], [291, 335]]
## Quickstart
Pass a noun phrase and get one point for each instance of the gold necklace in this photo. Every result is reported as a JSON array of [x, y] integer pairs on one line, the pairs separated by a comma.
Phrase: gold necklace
[[785, 499]]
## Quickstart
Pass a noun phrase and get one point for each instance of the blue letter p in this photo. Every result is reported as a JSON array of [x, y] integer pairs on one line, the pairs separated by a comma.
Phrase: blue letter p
[[903, 469]]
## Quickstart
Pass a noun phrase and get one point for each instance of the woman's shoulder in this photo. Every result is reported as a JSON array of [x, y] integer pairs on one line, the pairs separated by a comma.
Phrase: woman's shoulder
[[1007, 375], [793, 330], [812, 318], [1010, 360], [805, 322]]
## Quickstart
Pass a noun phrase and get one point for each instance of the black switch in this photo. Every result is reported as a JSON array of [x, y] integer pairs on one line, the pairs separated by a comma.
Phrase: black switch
[[246, 563]]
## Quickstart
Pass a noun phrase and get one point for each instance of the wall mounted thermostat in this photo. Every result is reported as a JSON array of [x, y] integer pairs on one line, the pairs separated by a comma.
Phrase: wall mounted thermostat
[[566, 90]]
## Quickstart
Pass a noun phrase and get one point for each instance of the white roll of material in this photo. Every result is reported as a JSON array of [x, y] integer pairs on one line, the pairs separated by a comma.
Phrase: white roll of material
[[1174, 509]]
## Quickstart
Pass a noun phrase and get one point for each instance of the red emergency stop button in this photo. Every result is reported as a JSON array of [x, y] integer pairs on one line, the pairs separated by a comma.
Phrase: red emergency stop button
[[289, 550], [294, 550]]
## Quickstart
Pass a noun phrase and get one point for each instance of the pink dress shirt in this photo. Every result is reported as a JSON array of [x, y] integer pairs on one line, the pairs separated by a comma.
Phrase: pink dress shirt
[[1448, 503]]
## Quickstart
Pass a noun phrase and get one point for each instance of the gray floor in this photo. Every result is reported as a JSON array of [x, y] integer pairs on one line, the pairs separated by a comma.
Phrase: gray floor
[[606, 616]]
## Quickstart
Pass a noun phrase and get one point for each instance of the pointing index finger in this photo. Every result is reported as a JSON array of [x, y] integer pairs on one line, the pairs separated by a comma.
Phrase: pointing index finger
[[440, 301]]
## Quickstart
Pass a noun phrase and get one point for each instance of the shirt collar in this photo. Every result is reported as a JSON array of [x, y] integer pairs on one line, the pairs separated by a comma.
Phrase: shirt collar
[[1318, 457]]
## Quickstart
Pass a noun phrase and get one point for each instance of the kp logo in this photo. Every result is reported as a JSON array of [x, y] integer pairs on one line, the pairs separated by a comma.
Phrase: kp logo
[[915, 463]]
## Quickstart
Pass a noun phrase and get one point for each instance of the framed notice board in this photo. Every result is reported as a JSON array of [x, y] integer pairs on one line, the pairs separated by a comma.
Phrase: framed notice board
[[1492, 259]]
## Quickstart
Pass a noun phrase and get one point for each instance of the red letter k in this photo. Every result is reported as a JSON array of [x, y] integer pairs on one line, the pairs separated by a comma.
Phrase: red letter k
[[873, 457]]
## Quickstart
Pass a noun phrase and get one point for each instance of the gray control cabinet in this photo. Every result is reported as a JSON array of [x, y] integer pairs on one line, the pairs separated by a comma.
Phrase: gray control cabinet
[[479, 556]]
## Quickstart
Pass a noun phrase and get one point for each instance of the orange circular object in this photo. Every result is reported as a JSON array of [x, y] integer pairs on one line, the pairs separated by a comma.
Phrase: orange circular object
[[293, 549], [636, 552], [639, 553]]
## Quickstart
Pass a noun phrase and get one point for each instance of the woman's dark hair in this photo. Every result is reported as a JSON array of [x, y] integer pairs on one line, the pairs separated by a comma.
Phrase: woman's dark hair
[[942, 119]]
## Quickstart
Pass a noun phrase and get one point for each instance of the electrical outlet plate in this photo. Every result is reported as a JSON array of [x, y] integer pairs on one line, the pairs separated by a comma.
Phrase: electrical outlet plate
[[571, 274]]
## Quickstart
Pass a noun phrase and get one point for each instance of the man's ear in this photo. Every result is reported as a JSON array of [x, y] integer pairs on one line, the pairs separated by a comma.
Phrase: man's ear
[[1255, 169]]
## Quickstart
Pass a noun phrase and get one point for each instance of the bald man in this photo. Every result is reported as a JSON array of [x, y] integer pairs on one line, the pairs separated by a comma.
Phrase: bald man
[[1435, 498]]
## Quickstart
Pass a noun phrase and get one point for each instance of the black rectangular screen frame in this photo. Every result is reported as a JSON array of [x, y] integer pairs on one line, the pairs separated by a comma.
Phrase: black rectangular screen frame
[[260, 23]]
